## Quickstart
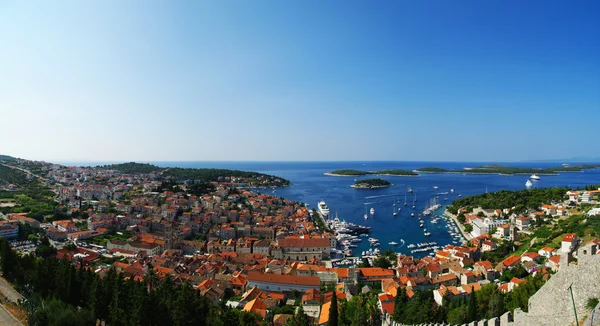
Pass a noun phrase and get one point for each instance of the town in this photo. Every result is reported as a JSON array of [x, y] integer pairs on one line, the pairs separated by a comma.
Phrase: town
[[239, 244]]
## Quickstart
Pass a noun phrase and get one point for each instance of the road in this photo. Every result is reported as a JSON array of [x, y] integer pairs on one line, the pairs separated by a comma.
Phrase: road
[[21, 169], [10, 293], [6, 319]]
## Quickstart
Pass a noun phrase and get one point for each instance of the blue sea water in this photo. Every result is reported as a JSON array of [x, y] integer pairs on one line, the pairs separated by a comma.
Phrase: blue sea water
[[310, 185]]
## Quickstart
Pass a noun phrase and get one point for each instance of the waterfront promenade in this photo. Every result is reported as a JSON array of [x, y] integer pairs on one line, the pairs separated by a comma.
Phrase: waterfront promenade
[[465, 234]]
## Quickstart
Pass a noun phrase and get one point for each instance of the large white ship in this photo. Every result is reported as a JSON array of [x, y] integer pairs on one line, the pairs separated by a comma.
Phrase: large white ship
[[323, 208]]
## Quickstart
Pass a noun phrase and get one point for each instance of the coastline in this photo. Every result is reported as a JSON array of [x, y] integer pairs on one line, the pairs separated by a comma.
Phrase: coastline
[[486, 173], [465, 235]]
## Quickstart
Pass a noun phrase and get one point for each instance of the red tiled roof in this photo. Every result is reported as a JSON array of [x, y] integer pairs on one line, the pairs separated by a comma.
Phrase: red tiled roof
[[284, 279]]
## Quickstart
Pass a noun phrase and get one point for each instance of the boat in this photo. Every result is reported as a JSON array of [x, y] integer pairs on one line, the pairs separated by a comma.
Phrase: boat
[[405, 200], [366, 215], [528, 184], [412, 214], [393, 243], [534, 177], [372, 211], [323, 208], [435, 187], [451, 190], [409, 190], [394, 209], [459, 195]]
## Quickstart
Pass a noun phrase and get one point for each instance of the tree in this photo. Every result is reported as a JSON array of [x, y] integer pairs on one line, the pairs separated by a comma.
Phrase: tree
[[468, 228], [333, 311], [299, 319], [382, 262]]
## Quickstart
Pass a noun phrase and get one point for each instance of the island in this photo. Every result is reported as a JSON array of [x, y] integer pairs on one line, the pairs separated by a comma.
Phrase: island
[[371, 184], [354, 173], [508, 170]]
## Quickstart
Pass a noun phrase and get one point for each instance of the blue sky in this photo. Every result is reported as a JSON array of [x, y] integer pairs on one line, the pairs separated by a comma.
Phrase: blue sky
[[300, 80]]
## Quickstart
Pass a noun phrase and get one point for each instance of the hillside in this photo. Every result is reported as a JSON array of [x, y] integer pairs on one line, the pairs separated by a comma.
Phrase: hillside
[[7, 158], [12, 176]]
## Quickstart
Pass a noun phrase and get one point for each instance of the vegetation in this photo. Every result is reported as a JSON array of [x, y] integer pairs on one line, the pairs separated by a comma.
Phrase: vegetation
[[371, 183], [349, 172], [201, 175], [14, 176], [111, 235], [500, 169], [360, 173], [521, 199], [591, 303], [58, 293], [485, 304], [7, 158]]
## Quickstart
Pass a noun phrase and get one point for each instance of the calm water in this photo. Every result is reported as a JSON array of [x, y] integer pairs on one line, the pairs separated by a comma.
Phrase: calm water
[[310, 186]]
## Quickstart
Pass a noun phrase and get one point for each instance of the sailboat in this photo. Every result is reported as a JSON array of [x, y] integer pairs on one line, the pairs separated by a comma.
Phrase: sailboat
[[366, 214], [394, 209], [405, 200], [409, 190]]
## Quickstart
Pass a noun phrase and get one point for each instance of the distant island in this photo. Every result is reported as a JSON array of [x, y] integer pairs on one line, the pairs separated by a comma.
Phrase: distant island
[[355, 173], [371, 184], [508, 170]]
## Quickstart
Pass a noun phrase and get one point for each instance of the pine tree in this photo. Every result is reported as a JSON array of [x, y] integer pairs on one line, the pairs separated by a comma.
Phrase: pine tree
[[472, 312]]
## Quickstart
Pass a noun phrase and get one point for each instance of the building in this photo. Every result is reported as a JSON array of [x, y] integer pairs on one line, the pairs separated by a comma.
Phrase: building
[[279, 283], [147, 248], [9, 231], [569, 242], [523, 223], [304, 249], [502, 231], [547, 252]]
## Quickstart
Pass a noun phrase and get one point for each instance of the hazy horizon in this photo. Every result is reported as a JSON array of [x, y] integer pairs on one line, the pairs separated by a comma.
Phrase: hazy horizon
[[472, 81]]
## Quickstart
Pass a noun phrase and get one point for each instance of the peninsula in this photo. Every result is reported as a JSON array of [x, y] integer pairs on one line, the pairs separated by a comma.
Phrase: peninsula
[[508, 170], [354, 173], [371, 184]]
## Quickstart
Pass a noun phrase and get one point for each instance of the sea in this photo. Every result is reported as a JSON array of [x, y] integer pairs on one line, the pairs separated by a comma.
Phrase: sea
[[310, 185]]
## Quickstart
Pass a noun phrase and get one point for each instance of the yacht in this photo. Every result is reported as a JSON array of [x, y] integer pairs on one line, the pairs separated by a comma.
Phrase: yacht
[[435, 187], [394, 210], [405, 200], [323, 208], [451, 190], [409, 190], [393, 243], [372, 211], [534, 177], [528, 184], [412, 214]]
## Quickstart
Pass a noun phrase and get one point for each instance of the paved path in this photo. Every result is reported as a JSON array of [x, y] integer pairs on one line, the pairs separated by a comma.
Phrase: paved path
[[7, 319], [10, 293], [466, 235]]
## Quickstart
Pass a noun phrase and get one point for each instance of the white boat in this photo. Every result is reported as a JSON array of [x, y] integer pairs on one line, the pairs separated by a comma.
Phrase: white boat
[[451, 190], [405, 200], [409, 190], [393, 243], [372, 211], [394, 210], [323, 208], [528, 184], [366, 215], [412, 214], [435, 187], [534, 177]]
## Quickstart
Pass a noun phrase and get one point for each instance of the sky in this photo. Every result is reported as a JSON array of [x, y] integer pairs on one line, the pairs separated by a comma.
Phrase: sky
[[299, 80]]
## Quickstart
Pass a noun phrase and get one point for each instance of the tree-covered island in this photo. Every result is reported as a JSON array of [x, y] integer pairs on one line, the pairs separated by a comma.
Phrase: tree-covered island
[[353, 173], [371, 184], [508, 170]]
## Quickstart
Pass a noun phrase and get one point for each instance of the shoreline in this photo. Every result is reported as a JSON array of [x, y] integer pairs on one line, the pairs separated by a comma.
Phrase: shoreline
[[465, 235]]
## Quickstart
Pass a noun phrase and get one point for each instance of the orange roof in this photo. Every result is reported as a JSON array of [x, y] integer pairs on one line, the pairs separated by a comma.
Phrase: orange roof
[[511, 260], [254, 306], [284, 279], [324, 316], [532, 255], [555, 259], [569, 237], [516, 281], [485, 263], [376, 272], [548, 249]]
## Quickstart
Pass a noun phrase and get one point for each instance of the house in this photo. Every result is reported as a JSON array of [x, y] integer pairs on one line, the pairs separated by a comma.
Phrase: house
[[324, 315], [56, 235], [256, 306], [547, 252], [502, 231], [530, 256], [587, 197], [554, 262], [446, 291], [375, 274], [279, 283], [523, 223], [573, 195], [511, 261], [549, 209], [488, 245], [386, 303], [311, 297], [135, 246], [65, 226], [568, 243]]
